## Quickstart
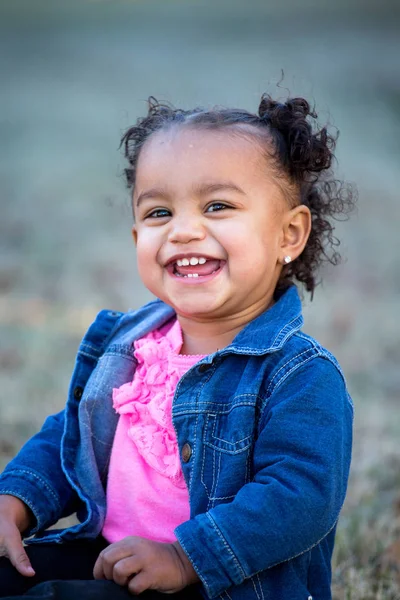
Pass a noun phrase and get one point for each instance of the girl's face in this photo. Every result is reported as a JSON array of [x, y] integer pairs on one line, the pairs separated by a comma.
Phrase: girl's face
[[211, 226]]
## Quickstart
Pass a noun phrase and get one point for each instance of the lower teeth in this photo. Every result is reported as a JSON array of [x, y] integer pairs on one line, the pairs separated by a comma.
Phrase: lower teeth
[[193, 274]]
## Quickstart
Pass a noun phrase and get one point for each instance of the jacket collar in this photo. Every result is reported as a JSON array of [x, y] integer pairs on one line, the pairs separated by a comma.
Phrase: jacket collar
[[270, 330]]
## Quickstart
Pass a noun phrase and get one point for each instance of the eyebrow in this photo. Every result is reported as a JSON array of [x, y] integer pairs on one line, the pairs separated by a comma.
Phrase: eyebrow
[[152, 193], [201, 190]]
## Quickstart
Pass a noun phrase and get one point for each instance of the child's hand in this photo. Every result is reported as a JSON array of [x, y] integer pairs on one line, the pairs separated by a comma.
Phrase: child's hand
[[142, 564], [14, 518]]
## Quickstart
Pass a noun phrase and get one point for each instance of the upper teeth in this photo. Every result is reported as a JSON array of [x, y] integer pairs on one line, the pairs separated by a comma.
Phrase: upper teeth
[[185, 262]]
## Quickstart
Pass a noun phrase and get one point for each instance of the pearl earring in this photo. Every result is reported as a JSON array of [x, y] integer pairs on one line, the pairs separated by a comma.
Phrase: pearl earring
[[287, 259]]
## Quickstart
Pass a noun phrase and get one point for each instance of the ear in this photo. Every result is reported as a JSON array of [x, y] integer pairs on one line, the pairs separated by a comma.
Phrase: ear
[[296, 230], [134, 234]]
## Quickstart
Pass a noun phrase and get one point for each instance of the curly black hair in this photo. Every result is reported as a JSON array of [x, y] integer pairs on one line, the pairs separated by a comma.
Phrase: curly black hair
[[302, 155]]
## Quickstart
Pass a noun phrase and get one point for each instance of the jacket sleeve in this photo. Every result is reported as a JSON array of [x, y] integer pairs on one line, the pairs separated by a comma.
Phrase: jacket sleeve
[[41, 484], [301, 463]]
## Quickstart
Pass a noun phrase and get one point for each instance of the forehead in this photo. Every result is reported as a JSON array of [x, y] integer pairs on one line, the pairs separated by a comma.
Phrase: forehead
[[197, 153]]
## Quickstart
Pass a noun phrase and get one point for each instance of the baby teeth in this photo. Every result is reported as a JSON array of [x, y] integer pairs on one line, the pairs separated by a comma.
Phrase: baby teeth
[[192, 275], [185, 262]]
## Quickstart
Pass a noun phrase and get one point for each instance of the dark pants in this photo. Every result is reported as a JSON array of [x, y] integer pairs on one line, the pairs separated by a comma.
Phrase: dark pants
[[65, 572]]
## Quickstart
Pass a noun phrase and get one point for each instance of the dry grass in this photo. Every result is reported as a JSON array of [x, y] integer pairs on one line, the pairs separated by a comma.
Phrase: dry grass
[[366, 563]]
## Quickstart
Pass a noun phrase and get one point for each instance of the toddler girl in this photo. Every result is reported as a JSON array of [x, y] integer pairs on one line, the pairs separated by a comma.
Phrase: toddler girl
[[205, 445]]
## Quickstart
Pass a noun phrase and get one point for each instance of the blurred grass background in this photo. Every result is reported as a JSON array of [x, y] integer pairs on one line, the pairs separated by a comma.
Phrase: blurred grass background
[[74, 76]]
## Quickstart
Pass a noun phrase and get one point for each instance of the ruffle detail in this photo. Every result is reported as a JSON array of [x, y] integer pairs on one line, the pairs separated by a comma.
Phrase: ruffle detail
[[147, 401]]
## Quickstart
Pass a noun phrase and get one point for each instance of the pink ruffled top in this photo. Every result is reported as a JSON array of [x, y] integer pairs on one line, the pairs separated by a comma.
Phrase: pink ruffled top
[[146, 490]]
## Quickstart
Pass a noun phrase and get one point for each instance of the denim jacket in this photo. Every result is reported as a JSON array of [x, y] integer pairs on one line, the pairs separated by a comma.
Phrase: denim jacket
[[264, 428]]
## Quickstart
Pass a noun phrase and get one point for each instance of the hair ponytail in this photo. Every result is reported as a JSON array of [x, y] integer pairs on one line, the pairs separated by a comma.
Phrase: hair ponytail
[[303, 151]]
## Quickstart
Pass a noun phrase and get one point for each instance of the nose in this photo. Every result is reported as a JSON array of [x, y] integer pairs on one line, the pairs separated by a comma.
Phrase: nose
[[186, 228]]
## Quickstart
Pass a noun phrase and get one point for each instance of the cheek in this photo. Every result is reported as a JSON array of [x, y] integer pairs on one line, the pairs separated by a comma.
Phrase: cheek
[[243, 239], [147, 258], [140, 253], [148, 271], [144, 258], [146, 244], [253, 249]]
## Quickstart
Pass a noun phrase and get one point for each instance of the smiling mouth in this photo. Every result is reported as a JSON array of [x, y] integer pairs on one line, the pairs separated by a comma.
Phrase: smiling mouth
[[195, 267]]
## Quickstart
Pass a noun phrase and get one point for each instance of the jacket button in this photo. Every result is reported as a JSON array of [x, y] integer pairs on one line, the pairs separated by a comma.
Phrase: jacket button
[[204, 367], [78, 391], [186, 452]]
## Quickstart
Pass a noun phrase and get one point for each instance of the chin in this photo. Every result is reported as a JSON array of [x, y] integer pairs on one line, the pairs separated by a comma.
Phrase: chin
[[203, 306], [193, 309]]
